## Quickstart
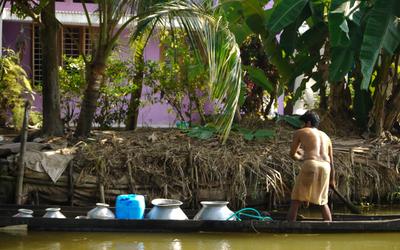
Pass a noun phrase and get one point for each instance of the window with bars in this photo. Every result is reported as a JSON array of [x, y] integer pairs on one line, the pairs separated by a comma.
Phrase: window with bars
[[88, 42], [72, 41], [37, 57], [75, 41]]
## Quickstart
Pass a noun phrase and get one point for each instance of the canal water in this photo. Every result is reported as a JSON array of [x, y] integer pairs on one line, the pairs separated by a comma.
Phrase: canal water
[[200, 241], [22, 240]]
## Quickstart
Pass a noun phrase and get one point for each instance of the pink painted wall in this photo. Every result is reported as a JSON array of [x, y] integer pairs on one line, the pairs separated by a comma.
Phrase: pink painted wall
[[158, 114]]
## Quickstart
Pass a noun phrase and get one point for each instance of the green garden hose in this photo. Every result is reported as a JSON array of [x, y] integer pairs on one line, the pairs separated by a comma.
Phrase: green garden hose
[[257, 215]]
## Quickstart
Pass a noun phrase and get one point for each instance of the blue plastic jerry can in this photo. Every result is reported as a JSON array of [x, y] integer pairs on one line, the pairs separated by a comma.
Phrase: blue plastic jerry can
[[130, 206]]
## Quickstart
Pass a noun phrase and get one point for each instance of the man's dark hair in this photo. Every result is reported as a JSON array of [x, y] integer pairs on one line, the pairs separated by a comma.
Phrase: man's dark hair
[[310, 116]]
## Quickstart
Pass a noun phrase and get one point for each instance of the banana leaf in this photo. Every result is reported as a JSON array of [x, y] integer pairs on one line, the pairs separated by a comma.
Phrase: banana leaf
[[258, 76], [284, 14], [377, 33]]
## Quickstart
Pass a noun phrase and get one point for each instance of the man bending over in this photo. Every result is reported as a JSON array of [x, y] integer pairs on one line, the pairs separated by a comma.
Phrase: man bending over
[[314, 148]]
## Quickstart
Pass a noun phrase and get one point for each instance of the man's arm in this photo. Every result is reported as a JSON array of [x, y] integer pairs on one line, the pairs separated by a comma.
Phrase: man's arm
[[332, 181], [295, 152]]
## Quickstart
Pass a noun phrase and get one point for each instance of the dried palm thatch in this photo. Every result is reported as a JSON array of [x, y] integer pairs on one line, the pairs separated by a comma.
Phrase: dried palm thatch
[[175, 166], [167, 163]]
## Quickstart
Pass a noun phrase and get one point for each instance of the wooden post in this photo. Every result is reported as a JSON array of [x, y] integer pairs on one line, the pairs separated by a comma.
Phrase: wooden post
[[102, 193], [192, 174], [100, 176], [71, 183], [130, 178], [21, 163]]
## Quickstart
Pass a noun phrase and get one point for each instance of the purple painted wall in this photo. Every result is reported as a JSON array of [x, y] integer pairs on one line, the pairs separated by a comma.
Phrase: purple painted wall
[[17, 34], [151, 114], [158, 114], [69, 5]]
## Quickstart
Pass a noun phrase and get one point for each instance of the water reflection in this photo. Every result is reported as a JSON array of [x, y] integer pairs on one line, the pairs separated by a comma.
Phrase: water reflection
[[125, 241]]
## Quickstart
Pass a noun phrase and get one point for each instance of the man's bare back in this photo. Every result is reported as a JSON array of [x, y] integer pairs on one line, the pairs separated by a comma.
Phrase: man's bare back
[[311, 144], [314, 147]]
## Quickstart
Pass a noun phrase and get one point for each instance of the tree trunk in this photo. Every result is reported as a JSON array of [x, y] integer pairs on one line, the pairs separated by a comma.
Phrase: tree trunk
[[393, 105], [362, 101], [382, 93], [323, 104], [134, 104], [94, 78], [393, 111], [288, 109], [52, 123], [339, 99]]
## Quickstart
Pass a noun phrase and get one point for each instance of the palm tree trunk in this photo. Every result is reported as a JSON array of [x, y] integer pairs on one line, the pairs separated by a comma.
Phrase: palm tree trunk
[[94, 78], [52, 123], [134, 103]]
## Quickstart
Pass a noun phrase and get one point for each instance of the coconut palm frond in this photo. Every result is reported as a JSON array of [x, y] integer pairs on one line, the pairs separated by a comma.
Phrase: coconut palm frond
[[215, 43]]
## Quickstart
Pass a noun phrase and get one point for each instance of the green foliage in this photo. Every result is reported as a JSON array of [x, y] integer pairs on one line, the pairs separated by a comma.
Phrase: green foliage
[[338, 27], [180, 78], [258, 76], [203, 133], [342, 61], [72, 83], [72, 75], [112, 101], [394, 197], [259, 134], [290, 119], [351, 34], [14, 87], [208, 131], [379, 32], [285, 13]]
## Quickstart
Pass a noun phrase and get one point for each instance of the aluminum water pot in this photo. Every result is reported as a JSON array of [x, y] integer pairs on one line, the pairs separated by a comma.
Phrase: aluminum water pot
[[101, 211], [214, 210], [24, 213], [166, 209], [53, 212]]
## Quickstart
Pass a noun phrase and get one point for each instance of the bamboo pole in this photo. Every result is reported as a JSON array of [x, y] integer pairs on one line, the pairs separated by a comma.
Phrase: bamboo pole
[[21, 163]]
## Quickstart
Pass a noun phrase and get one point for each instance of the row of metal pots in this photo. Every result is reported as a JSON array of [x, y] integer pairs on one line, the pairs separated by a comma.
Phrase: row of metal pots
[[166, 209], [163, 209]]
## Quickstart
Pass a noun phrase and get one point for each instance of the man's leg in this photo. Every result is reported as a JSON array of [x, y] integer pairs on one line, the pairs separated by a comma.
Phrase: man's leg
[[294, 207], [326, 213]]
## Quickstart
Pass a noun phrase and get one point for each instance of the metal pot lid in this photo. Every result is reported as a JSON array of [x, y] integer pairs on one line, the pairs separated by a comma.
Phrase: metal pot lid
[[166, 202], [214, 203], [53, 209], [102, 205], [25, 211]]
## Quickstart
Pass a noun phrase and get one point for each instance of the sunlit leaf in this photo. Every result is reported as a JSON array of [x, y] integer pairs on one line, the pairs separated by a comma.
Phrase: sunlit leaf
[[377, 30], [284, 14]]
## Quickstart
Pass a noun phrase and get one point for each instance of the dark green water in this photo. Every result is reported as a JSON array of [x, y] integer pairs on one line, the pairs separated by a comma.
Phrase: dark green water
[[201, 241], [205, 241]]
